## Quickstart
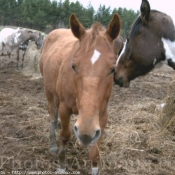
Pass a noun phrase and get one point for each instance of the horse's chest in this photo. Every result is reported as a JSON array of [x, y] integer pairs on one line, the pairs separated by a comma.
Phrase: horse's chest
[[66, 90]]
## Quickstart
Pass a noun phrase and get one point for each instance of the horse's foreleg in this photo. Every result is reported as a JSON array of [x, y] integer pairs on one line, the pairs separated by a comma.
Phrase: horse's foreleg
[[9, 53], [57, 121], [53, 113], [22, 65], [2, 50], [2, 61], [17, 57], [2, 54], [54, 125], [94, 154], [65, 132]]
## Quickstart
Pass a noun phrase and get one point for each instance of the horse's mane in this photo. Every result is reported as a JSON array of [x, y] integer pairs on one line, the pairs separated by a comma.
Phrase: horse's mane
[[135, 27], [138, 22], [156, 23]]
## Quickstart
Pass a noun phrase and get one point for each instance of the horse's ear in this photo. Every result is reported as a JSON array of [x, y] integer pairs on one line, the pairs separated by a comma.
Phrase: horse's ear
[[114, 27], [77, 28], [145, 10]]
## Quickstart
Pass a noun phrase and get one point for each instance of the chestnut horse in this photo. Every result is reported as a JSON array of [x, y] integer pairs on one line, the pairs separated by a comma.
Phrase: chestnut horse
[[77, 67], [150, 40]]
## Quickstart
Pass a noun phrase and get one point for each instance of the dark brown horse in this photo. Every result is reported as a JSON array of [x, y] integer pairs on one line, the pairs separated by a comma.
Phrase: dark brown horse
[[77, 67], [150, 40]]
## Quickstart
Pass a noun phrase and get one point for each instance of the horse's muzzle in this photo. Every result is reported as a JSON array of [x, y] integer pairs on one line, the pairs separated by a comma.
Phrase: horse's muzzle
[[122, 82], [86, 139], [119, 81]]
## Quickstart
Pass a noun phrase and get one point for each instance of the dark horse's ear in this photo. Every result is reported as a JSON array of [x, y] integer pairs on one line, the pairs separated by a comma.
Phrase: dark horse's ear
[[114, 27], [77, 28], [145, 10]]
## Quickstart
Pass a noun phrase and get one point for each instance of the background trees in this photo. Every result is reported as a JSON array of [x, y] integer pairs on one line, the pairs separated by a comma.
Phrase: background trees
[[46, 15]]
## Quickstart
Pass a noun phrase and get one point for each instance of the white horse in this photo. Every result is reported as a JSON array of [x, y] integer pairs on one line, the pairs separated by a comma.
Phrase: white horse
[[14, 38]]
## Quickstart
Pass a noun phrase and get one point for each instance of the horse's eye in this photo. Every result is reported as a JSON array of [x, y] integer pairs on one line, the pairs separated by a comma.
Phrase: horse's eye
[[74, 67], [112, 70]]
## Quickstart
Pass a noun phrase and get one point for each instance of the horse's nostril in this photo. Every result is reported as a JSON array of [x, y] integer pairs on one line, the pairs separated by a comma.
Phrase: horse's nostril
[[120, 81], [98, 133]]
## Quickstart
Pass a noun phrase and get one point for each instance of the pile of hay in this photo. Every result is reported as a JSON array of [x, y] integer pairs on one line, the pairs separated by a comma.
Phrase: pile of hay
[[32, 57], [168, 112]]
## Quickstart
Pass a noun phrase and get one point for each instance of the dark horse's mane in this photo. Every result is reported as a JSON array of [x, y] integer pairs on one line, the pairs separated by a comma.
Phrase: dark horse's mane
[[166, 30], [135, 27]]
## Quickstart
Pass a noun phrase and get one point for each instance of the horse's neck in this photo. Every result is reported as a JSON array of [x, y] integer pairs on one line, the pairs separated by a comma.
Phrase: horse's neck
[[26, 42], [25, 38], [32, 38]]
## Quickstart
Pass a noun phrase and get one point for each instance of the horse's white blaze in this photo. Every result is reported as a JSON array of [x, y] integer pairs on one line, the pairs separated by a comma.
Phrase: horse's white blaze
[[95, 56], [123, 50], [169, 47]]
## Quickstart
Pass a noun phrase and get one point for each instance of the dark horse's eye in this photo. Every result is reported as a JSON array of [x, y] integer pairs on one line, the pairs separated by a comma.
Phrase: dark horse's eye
[[74, 67], [112, 71]]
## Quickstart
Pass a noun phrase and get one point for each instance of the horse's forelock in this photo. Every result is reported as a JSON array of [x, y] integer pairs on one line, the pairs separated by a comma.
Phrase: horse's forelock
[[92, 37]]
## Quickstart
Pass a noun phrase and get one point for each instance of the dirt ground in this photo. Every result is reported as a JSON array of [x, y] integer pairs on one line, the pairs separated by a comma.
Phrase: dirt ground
[[134, 143]]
